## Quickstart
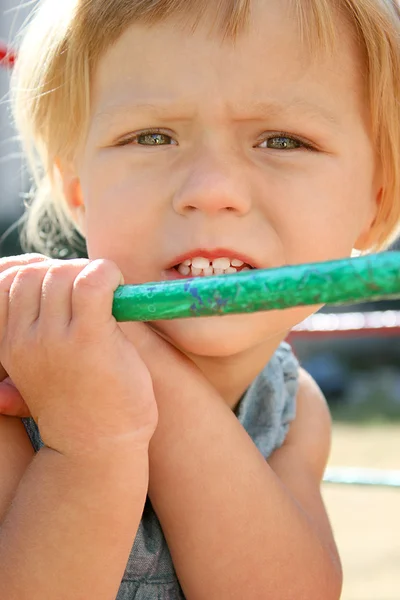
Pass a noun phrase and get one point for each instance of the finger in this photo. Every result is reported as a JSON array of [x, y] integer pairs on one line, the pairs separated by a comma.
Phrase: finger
[[22, 260], [56, 300], [8, 269], [11, 402], [93, 293], [6, 280], [24, 296]]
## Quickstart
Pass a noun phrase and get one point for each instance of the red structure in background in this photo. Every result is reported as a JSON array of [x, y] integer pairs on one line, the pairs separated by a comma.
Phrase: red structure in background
[[7, 57]]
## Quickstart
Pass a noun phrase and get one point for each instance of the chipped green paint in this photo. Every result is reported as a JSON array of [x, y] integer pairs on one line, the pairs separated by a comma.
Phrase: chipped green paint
[[373, 277]]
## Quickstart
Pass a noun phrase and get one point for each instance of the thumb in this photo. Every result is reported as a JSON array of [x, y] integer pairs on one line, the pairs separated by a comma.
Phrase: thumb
[[11, 402]]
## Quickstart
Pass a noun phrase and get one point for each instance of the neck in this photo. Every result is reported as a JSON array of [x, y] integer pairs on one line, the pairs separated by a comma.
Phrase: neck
[[232, 375]]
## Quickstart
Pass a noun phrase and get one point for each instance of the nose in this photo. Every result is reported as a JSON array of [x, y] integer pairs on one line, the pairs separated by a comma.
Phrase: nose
[[213, 186]]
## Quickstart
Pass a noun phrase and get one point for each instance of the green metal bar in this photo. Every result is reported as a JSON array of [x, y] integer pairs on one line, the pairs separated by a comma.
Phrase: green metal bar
[[364, 477], [373, 277]]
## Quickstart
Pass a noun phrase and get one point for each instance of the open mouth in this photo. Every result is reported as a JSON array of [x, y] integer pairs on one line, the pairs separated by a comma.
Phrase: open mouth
[[204, 267]]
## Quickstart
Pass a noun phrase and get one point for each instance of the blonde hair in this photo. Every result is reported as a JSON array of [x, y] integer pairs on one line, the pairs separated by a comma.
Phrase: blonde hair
[[65, 41]]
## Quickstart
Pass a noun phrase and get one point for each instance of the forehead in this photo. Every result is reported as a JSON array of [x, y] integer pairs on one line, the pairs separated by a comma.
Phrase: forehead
[[268, 61]]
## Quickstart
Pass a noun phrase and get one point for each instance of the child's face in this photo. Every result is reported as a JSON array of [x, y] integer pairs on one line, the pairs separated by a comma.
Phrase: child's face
[[218, 178]]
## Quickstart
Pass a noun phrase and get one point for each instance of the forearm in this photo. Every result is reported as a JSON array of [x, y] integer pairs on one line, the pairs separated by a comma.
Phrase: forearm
[[233, 529], [71, 526]]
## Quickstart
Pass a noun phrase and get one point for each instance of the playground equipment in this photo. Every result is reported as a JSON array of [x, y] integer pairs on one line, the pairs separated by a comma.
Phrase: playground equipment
[[372, 277]]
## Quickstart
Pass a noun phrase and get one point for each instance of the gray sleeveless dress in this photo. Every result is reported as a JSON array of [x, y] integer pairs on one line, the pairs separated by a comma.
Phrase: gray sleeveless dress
[[265, 411]]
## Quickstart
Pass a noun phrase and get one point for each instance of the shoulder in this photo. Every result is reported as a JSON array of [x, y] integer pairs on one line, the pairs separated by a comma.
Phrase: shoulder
[[310, 432]]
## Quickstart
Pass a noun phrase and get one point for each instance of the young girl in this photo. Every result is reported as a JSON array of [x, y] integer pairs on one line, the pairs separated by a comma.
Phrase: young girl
[[183, 459]]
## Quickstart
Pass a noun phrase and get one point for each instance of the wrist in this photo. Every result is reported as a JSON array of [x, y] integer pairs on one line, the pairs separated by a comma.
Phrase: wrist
[[93, 447], [109, 459], [108, 475]]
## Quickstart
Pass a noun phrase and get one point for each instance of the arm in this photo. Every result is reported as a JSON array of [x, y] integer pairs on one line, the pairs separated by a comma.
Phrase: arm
[[70, 528], [300, 463], [238, 527], [75, 508]]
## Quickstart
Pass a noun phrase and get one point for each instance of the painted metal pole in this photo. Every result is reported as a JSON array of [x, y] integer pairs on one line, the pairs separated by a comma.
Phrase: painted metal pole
[[363, 477], [372, 277]]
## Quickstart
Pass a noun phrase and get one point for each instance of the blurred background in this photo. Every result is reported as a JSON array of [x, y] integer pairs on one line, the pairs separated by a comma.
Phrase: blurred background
[[354, 358], [12, 180]]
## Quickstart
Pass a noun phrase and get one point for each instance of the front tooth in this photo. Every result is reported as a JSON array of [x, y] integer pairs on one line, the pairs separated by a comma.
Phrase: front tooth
[[200, 263], [218, 271], [230, 271], [184, 270], [237, 263], [196, 271], [209, 271], [221, 263]]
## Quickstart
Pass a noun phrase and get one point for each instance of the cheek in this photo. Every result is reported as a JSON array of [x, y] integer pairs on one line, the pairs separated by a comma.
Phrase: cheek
[[121, 209], [326, 213], [116, 182]]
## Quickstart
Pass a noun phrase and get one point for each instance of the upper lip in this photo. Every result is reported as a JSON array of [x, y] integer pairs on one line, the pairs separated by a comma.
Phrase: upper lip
[[211, 254]]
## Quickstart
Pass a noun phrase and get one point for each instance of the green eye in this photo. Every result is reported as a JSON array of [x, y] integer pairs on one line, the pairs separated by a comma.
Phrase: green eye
[[282, 143], [154, 139]]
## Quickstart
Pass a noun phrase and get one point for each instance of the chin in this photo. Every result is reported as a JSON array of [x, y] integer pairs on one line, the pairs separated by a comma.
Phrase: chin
[[231, 335], [222, 336]]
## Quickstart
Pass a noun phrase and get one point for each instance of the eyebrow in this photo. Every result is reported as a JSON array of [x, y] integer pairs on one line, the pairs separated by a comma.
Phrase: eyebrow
[[274, 108], [184, 112], [168, 111]]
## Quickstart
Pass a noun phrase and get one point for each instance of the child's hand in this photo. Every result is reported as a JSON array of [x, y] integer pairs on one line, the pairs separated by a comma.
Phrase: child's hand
[[82, 380]]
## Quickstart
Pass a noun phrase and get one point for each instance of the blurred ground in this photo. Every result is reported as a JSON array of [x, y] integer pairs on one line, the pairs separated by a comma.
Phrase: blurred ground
[[366, 520], [361, 380]]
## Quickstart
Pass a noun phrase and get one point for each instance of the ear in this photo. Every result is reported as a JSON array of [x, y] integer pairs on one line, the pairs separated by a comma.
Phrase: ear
[[371, 234], [72, 192]]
